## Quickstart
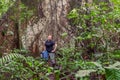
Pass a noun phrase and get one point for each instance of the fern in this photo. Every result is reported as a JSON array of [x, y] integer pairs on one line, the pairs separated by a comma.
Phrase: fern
[[112, 74], [113, 71], [10, 57], [83, 73], [115, 66]]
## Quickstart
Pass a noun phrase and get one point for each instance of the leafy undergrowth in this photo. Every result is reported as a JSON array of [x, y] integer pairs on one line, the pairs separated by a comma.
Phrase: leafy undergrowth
[[69, 66], [16, 66]]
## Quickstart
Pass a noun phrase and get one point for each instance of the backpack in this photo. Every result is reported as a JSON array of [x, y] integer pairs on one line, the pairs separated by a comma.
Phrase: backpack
[[45, 55]]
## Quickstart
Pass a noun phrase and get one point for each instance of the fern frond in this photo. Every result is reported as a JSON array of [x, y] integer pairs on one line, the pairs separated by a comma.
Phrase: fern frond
[[10, 57], [83, 73], [114, 66], [112, 74]]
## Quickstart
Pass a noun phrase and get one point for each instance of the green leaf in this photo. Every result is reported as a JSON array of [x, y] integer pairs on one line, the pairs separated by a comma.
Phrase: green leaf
[[115, 66], [64, 34], [83, 73], [97, 64], [9, 57], [73, 14], [4, 5], [112, 74]]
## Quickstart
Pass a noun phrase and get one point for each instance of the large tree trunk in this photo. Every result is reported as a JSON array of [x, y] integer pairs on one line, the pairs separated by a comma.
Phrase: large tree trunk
[[53, 21]]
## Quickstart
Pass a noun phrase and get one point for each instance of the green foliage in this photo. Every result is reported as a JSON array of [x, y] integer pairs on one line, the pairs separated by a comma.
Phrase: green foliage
[[96, 25], [4, 5], [25, 12], [83, 73], [20, 51], [64, 35], [112, 74], [113, 71], [31, 68], [19, 67], [115, 54], [73, 14], [9, 57]]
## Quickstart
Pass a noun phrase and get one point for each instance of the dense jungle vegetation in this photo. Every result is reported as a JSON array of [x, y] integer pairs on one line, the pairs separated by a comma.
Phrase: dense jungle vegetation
[[95, 55]]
